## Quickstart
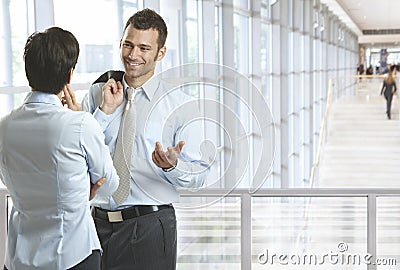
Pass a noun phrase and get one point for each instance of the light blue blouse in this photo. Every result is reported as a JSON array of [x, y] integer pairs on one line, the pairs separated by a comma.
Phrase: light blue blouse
[[48, 155]]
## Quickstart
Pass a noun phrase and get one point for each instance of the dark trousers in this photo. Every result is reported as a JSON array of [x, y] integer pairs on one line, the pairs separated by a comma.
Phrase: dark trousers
[[92, 262], [144, 242], [389, 98]]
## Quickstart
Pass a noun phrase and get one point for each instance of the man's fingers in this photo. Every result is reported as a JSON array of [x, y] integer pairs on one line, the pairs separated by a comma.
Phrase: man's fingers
[[180, 145], [159, 152], [95, 187], [155, 159], [159, 147], [71, 94], [67, 95], [177, 148], [69, 99], [160, 155], [112, 85], [120, 87], [160, 160], [100, 182]]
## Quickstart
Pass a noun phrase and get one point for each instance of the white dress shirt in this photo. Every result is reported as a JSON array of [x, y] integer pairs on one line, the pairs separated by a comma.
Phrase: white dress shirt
[[163, 114], [48, 155]]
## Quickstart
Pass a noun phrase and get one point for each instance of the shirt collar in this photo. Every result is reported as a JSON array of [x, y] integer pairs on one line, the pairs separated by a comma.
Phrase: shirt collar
[[42, 97], [149, 88]]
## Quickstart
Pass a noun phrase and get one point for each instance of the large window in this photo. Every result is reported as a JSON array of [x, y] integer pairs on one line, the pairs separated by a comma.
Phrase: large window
[[98, 35], [15, 28], [19, 28]]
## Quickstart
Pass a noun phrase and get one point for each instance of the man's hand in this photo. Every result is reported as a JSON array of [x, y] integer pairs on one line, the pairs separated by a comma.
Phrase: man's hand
[[113, 96], [168, 159], [95, 187], [69, 99]]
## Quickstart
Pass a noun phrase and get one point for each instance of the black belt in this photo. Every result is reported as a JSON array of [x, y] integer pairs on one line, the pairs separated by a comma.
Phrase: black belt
[[127, 213]]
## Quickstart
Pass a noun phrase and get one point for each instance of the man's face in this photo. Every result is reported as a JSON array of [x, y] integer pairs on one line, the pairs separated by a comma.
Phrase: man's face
[[139, 54]]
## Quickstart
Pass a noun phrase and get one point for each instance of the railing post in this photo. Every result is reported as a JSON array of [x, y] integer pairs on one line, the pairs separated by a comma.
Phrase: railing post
[[371, 230], [245, 232], [3, 224]]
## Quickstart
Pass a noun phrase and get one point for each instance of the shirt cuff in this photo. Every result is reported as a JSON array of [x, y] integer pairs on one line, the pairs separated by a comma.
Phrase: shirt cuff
[[178, 171], [102, 118]]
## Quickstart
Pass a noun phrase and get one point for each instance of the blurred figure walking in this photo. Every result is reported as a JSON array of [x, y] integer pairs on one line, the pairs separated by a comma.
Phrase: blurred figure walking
[[388, 89]]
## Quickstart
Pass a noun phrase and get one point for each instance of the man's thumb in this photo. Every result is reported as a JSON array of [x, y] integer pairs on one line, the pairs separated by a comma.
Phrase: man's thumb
[[180, 145]]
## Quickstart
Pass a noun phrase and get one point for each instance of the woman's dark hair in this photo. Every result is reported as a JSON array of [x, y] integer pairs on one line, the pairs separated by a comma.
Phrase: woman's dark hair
[[149, 19], [49, 57]]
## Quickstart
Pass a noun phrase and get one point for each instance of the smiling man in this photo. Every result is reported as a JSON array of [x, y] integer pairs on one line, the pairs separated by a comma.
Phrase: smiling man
[[137, 42], [139, 113]]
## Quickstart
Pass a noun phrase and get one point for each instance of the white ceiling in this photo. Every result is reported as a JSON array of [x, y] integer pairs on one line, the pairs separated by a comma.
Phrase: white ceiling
[[373, 14], [362, 15]]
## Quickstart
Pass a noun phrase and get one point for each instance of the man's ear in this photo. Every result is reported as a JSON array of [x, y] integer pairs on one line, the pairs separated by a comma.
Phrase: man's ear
[[161, 53], [71, 72]]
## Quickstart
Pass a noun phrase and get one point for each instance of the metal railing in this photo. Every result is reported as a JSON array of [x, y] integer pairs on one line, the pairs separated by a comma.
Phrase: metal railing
[[246, 206], [3, 222], [246, 212]]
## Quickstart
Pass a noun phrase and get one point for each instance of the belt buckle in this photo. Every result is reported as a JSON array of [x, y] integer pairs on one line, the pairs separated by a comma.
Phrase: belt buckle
[[114, 216]]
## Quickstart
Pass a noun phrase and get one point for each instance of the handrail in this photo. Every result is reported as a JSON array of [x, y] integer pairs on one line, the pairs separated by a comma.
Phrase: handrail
[[3, 223], [25, 89], [321, 135], [322, 131], [246, 205], [291, 192]]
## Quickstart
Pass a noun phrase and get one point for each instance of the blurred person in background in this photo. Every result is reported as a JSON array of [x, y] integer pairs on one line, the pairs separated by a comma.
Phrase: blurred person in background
[[388, 89]]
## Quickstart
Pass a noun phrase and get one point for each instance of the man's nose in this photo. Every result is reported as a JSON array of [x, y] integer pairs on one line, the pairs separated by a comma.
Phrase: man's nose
[[134, 52]]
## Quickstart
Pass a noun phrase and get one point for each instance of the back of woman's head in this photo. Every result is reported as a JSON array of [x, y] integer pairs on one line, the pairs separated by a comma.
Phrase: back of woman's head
[[389, 78], [49, 57]]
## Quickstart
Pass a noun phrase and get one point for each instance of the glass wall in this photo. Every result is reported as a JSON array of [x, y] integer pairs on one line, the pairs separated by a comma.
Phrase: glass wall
[[262, 89], [280, 55]]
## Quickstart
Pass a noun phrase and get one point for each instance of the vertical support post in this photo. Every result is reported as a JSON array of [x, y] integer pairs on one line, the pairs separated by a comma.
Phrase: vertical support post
[[245, 237], [3, 223], [371, 229], [227, 39], [44, 14]]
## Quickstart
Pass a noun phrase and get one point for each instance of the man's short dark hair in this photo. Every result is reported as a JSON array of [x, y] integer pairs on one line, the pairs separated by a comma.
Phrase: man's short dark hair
[[49, 57], [149, 19]]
